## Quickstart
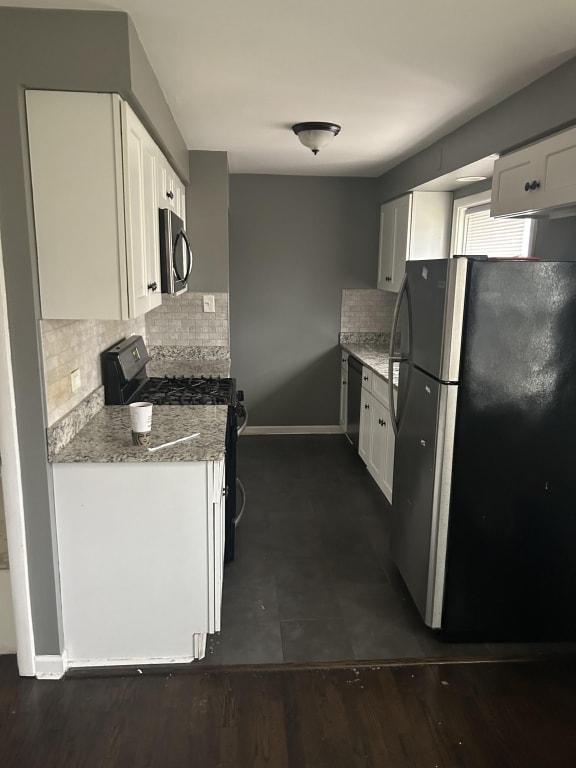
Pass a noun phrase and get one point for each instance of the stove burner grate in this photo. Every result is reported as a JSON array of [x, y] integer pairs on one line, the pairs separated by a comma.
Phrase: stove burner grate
[[188, 391]]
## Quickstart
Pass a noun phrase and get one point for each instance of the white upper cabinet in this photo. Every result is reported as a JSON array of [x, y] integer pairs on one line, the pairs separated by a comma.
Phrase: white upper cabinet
[[540, 177], [171, 192], [94, 171], [140, 163], [415, 226]]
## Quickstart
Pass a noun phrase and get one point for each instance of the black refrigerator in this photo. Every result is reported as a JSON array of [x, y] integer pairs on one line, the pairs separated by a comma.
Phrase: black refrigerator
[[484, 494]]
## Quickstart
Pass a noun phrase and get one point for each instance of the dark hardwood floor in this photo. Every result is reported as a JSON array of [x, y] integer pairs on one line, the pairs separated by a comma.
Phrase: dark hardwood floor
[[453, 715]]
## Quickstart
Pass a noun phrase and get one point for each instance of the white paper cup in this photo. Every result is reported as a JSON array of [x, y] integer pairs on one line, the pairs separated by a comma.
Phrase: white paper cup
[[140, 422]]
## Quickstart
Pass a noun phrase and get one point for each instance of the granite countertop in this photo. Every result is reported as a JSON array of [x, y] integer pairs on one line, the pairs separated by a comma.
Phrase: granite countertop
[[188, 361], [194, 368], [373, 356], [106, 438]]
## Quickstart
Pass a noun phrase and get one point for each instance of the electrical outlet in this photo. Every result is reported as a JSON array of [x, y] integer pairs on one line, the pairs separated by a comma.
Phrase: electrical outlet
[[75, 380], [208, 304]]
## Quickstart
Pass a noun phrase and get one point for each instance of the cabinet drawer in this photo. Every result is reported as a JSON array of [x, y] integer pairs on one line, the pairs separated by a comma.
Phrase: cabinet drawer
[[366, 378], [380, 389]]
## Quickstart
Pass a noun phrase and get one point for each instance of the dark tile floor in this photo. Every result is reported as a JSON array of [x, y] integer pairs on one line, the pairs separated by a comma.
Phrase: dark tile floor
[[312, 579]]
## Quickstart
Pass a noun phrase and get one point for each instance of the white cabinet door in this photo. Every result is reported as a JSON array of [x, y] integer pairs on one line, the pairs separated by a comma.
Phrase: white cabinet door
[[378, 443], [94, 185], [538, 177], [394, 242], [365, 426], [415, 226], [386, 247], [170, 189], [138, 559], [511, 174], [141, 206]]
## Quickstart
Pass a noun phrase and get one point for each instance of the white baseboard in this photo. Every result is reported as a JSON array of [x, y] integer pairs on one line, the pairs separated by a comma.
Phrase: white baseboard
[[51, 667], [322, 429], [135, 662]]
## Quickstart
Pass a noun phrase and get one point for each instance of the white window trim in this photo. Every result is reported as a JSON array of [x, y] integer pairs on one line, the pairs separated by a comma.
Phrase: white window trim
[[460, 207]]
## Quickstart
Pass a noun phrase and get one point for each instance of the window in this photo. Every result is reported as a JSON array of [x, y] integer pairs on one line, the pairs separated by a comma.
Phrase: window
[[475, 232]]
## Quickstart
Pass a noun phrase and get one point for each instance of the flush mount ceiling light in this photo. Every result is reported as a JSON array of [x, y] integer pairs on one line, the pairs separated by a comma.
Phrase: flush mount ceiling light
[[316, 136]]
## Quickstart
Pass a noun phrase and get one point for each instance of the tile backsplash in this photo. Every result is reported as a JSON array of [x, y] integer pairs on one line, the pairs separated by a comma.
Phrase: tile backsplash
[[367, 310], [68, 345], [180, 321], [71, 344]]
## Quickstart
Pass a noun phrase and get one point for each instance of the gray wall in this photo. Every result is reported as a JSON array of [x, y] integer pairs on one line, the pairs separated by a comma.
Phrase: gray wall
[[544, 106], [295, 243], [555, 239], [69, 50], [207, 220], [147, 98]]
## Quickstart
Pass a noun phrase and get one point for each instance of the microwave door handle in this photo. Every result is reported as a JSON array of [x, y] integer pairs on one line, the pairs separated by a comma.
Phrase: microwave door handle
[[177, 275], [190, 257]]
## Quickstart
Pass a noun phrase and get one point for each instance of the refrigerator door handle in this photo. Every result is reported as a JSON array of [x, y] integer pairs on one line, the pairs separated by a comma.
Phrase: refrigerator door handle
[[392, 358]]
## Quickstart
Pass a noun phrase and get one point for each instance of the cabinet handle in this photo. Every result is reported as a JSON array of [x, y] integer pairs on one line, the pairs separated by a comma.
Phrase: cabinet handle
[[531, 186], [366, 406], [152, 286], [170, 195], [365, 378], [423, 443]]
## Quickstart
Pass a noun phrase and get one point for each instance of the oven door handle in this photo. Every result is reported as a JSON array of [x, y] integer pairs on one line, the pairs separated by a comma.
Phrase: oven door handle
[[244, 413]]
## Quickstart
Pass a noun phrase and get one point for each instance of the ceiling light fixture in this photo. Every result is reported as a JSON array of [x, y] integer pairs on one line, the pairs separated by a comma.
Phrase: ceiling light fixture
[[316, 136]]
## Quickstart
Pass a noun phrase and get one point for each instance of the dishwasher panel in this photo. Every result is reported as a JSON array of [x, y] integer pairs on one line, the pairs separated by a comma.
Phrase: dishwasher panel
[[354, 394]]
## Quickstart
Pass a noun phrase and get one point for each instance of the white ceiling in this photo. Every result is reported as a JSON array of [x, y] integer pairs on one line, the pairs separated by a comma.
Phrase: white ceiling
[[395, 75]]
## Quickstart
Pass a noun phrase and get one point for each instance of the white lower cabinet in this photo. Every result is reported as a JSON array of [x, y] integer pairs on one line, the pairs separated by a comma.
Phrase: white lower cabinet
[[140, 554], [376, 442]]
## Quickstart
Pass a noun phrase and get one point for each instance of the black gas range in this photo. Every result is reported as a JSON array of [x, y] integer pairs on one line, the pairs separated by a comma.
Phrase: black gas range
[[126, 381]]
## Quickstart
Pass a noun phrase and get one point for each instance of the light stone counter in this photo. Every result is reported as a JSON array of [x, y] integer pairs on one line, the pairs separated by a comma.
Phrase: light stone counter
[[106, 437], [373, 356], [188, 361]]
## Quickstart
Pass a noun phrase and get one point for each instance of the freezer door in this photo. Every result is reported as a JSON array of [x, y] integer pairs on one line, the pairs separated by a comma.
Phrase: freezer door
[[422, 472], [436, 296]]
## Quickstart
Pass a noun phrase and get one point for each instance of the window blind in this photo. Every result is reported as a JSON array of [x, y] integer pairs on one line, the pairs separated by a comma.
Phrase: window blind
[[495, 237]]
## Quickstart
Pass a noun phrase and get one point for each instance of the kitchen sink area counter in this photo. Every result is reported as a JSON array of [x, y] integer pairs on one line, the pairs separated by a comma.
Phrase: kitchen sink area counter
[[372, 355], [107, 436]]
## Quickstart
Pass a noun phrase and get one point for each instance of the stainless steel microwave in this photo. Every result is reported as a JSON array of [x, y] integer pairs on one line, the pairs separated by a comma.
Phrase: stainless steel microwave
[[175, 253]]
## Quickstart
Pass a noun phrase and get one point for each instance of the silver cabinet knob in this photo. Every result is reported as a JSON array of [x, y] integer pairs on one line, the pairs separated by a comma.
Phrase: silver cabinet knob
[[423, 443]]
